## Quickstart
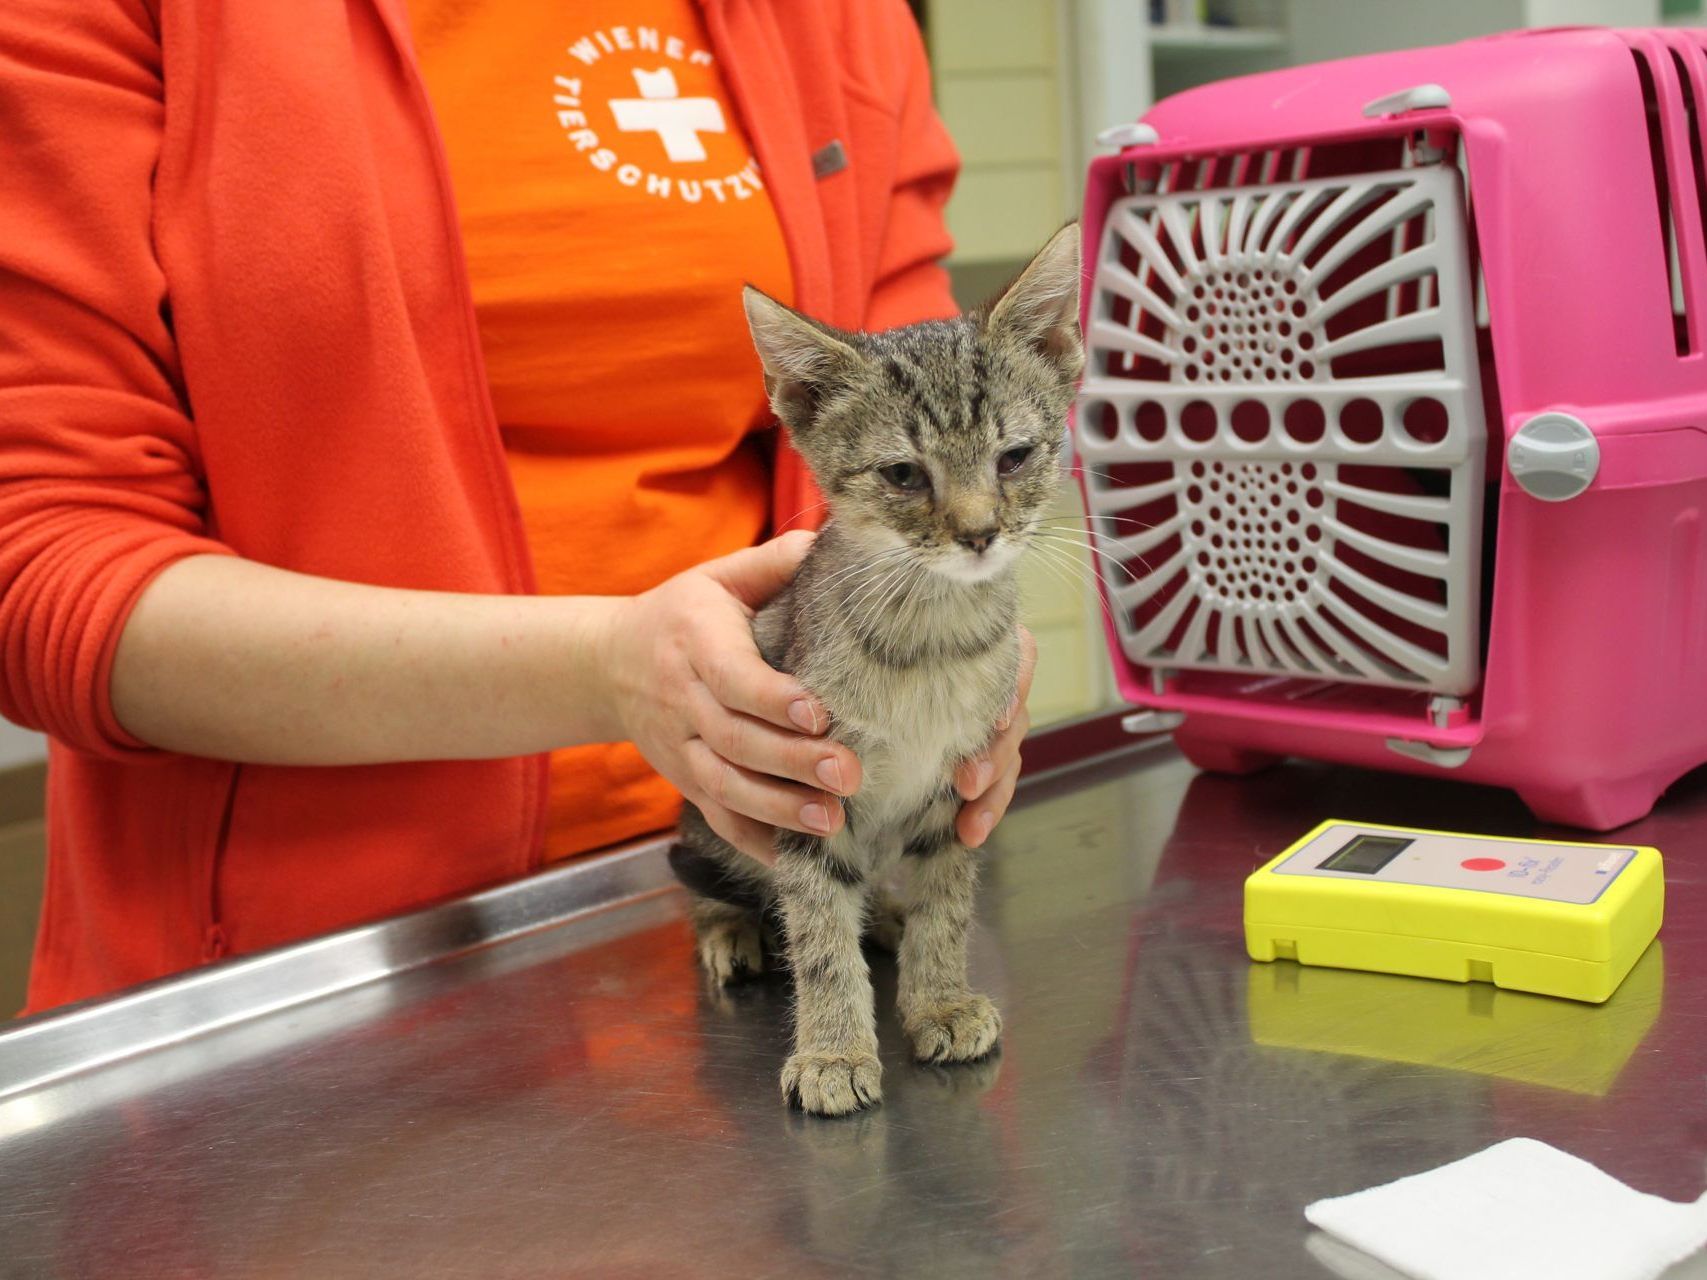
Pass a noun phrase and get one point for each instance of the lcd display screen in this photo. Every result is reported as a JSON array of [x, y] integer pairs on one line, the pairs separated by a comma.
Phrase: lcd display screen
[[1365, 855]]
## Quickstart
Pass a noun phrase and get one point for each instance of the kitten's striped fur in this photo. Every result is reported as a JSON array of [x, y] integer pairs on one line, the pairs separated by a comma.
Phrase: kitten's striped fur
[[902, 620]]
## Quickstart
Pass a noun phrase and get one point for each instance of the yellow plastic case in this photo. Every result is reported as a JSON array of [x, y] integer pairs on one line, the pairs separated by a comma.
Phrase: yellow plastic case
[[1577, 949]]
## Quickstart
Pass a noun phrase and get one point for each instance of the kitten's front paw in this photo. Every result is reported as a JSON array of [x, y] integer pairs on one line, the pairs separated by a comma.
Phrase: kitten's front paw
[[962, 1030], [828, 1084], [731, 951]]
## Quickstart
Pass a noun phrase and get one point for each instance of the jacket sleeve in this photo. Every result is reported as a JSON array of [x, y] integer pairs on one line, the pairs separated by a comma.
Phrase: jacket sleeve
[[100, 484], [910, 283]]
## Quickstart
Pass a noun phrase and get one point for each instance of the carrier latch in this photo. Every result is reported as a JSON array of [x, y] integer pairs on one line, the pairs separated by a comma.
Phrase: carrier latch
[[1553, 456]]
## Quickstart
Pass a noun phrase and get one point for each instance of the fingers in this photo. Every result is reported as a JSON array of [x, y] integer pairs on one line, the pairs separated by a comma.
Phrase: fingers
[[979, 817], [987, 782], [755, 574], [756, 758], [973, 778], [754, 745], [1027, 669], [756, 796], [743, 681], [752, 838]]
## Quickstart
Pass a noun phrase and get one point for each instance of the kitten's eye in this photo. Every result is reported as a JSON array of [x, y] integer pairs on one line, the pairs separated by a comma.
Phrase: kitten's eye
[[1013, 460], [908, 477]]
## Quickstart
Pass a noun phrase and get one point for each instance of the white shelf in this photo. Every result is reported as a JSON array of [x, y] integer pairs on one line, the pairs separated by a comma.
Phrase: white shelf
[[1196, 38]]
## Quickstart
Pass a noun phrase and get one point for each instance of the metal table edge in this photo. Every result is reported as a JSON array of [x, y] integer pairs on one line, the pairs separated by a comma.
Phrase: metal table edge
[[60, 1043], [51, 1047]]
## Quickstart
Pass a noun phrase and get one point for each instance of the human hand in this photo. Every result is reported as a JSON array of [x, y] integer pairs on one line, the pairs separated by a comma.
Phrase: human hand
[[987, 782], [741, 740]]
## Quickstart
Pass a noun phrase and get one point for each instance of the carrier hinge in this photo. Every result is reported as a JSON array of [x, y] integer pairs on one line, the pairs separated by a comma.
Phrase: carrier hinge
[[1152, 721], [1131, 134], [1419, 97], [1428, 753]]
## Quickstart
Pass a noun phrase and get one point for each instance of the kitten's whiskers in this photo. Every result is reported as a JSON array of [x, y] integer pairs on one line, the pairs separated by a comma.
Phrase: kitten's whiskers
[[1080, 522], [868, 590], [1056, 561], [897, 594], [870, 562], [1116, 561]]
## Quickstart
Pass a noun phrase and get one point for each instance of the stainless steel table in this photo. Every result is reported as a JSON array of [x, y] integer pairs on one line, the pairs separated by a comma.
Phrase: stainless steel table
[[533, 1082]]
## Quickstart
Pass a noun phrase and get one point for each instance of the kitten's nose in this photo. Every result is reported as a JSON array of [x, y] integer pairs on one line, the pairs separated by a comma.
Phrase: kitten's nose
[[978, 542]]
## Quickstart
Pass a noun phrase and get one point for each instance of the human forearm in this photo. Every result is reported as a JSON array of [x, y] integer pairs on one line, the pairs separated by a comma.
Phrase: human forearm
[[240, 661]]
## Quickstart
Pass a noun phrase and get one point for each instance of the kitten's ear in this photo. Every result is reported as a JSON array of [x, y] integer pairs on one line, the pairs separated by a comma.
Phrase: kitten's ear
[[1041, 308], [803, 359]]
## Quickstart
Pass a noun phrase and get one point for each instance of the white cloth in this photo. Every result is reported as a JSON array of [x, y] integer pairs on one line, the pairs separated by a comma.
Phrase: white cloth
[[1521, 1210]]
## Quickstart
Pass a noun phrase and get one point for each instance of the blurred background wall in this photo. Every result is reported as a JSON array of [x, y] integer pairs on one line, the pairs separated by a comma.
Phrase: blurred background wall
[[19, 746]]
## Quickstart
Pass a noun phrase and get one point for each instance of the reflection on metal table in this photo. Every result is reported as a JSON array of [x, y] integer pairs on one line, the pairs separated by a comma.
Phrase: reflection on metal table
[[533, 1082]]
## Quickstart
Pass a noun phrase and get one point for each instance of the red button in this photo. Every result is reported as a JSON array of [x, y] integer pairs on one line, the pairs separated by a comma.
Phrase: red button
[[1482, 864]]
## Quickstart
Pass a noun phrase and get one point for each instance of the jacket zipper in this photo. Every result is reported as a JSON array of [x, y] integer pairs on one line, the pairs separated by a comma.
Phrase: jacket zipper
[[520, 559], [215, 944]]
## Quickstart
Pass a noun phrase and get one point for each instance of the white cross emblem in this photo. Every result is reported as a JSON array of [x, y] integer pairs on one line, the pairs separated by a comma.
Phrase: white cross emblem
[[661, 109]]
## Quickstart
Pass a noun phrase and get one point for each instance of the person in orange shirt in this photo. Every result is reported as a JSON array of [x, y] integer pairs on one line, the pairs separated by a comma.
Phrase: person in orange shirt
[[252, 517]]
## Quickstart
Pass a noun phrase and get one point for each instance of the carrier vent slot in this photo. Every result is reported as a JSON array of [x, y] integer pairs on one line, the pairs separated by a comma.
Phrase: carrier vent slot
[[1235, 169], [1662, 199], [1695, 106]]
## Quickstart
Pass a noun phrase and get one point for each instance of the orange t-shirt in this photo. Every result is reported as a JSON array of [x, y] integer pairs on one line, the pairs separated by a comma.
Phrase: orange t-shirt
[[611, 209]]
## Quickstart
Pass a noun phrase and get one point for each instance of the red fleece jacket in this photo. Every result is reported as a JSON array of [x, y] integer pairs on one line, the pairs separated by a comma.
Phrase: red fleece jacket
[[234, 318]]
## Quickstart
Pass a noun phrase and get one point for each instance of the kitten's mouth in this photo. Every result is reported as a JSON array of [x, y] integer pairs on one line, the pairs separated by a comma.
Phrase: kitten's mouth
[[960, 564]]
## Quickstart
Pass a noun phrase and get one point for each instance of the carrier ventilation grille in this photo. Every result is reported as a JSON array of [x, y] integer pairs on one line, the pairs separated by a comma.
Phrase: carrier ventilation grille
[[1282, 429]]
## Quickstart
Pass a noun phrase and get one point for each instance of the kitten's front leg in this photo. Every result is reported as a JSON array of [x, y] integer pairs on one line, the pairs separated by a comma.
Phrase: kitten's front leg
[[834, 1068], [945, 1020]]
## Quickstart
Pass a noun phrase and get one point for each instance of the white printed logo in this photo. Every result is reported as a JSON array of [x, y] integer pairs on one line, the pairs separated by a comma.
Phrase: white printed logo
[[624, 102], [677, 121]]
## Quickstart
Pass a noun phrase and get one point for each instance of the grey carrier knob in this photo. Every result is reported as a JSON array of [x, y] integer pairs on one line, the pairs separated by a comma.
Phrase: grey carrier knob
[[1553, 456]]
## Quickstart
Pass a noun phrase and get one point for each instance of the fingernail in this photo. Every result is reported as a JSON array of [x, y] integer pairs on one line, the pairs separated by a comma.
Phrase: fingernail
[[816, 817], [979, 782], [986, 821], [829, 772], [803, 714], [1008, 715]]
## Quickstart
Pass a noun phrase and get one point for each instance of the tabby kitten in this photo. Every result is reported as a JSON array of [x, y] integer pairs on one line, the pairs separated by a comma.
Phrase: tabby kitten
[[937, 447]]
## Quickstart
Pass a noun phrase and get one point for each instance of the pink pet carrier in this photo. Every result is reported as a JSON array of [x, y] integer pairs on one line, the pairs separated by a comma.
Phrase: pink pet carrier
[[1394, 425]]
